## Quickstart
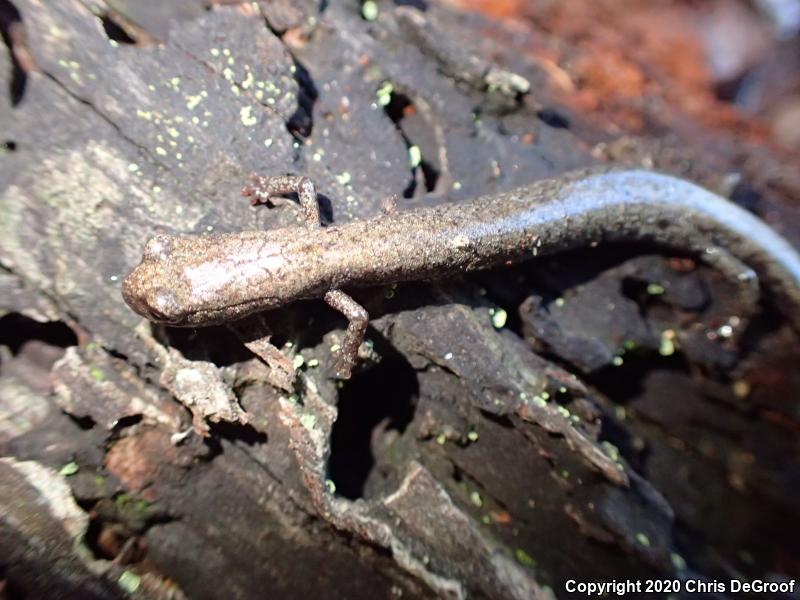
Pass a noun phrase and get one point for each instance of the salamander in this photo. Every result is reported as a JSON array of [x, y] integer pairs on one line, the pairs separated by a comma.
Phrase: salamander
[[197, 280]]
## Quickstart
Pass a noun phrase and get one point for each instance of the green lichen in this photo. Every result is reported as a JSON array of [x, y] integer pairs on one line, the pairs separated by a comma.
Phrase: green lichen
[[499, 317], [247, 117], [610, 450], [414, 156], [369, 10], [69, 469], [677, 561], [308, 421], [384, 93], [667, 344], [129, 581], [523, 558], [126, 502]]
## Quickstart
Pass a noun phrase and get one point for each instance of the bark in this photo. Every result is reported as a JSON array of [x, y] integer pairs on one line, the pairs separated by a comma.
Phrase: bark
[[580, 417]]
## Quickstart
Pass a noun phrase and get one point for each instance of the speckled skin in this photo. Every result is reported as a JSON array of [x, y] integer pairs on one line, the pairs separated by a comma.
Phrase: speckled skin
[[210, 279]]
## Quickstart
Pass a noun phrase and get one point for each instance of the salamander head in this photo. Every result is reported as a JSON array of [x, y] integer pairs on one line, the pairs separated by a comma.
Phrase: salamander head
[[200, 280]]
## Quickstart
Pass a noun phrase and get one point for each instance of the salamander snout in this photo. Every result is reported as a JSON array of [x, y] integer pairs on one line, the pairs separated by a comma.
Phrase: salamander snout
[[163, 306], [158, 304]]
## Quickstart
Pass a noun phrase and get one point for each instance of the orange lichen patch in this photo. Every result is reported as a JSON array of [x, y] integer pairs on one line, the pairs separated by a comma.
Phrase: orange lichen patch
[[497, 9], [627, 64], [135, 460], [670, 39], [608, 81], [608, 73], [501, 517]]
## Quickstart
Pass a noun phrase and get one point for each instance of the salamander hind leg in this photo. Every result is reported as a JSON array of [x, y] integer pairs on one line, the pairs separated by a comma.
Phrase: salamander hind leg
[[358, 319], [267, 189]]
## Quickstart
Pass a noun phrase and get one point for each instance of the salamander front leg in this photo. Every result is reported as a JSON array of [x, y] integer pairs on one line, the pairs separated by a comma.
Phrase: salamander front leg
[[266, 189], [357, 325]]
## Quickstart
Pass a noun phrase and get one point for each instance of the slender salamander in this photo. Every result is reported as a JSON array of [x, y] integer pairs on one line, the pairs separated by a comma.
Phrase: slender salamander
[[196, 280]]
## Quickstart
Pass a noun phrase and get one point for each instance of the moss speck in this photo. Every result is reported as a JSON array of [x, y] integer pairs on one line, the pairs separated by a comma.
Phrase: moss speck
[[308, 421], [384, 93], [667, 345], [610, 450], [414, 156], [677, 561], [499, 317], [69, 469], [523, 558], [369, 10], [129, 581], [246, 115]]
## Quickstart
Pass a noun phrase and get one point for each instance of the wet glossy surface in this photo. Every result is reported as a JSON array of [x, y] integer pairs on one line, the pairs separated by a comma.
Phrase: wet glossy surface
[[205, 279]]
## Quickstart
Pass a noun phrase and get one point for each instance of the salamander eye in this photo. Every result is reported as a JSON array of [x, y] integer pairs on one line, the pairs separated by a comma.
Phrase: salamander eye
[[158, 247], [163, 307]]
